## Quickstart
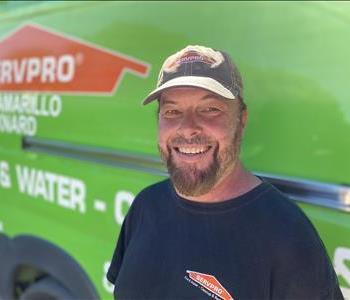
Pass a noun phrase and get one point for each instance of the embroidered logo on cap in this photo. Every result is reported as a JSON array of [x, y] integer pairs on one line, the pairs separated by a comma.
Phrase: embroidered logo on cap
[[209, 285], [191, 54]]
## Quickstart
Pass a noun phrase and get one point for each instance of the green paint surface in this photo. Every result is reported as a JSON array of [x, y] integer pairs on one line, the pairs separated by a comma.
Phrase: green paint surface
[[293, 57]]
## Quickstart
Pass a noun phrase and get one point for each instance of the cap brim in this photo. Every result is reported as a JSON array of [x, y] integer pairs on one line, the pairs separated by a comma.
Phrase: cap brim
[[206, 83]]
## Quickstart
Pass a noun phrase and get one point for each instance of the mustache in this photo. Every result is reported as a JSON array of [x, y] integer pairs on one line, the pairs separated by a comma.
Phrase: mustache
[[197, 140]]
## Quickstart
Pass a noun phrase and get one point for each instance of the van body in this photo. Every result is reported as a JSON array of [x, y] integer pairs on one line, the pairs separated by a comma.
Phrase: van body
[[76, 145]]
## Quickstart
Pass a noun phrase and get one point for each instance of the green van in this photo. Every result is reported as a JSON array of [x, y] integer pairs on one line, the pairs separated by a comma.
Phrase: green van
[[76, 145]]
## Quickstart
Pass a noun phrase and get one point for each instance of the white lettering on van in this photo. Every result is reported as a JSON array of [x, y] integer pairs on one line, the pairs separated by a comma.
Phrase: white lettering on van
[[122, 202], [66, 68], [21, 125], [109, 287], [46, 69], [67, 192], [31, 104], [5, 179], [18, 112], [341, 258], [33, 69]]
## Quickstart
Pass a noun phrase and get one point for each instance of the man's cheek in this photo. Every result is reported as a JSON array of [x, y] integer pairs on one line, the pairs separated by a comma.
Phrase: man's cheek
[[164, 150], [162, 143]]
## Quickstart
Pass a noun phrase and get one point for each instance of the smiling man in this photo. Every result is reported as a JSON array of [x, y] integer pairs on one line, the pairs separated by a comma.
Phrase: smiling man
[[199, 138], [214, 229]]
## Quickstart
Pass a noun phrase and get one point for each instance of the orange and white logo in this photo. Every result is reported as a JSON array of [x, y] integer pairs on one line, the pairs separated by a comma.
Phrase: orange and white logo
[[210, 283], [193, 54], [33, 58], [190, 54]]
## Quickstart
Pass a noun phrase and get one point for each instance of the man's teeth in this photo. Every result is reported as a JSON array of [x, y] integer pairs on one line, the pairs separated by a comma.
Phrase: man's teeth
[[193, 150]]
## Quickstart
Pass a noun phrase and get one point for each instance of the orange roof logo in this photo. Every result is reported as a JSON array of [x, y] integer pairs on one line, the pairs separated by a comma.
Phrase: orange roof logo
[[210, 283], [33, 58]]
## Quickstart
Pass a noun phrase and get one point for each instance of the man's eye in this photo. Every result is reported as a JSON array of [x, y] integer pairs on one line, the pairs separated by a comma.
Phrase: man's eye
[[211, 110], [171, 112]]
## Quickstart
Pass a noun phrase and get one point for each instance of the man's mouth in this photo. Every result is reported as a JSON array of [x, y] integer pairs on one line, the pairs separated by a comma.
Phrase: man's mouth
[[194, 150]]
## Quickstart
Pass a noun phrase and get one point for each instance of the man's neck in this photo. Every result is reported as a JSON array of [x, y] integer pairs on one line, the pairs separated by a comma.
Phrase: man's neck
[[236, 183]]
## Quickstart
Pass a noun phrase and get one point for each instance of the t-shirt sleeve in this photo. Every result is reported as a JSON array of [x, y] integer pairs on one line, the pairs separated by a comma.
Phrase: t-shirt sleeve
[[117, 256], [304, 271], [127, 230]]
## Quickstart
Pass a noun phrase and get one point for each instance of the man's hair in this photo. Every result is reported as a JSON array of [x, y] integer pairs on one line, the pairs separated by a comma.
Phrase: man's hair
[[242, 105]]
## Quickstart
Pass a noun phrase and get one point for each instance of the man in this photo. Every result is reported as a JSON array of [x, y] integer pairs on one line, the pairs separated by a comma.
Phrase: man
[[214, 229]]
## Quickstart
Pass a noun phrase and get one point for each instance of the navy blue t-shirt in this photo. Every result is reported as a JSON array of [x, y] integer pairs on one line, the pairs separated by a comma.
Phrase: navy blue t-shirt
[[259, 245]]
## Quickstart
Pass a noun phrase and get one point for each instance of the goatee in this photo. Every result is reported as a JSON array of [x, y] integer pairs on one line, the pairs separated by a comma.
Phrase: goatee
[[189, 180]]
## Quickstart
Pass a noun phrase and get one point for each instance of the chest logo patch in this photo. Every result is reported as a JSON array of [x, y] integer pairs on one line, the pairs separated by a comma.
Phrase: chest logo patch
[[208, 284]]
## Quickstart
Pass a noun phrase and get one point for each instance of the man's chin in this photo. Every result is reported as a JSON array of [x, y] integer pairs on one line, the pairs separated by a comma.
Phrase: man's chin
[[192, 181], [192, 168]]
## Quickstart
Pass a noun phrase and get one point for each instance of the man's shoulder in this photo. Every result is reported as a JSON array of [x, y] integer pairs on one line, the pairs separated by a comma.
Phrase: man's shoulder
[[288, 225], [277, 205], [157, 188], [295, 251], [153, 194]]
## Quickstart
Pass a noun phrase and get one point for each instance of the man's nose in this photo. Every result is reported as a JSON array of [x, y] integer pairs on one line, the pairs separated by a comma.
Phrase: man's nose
[[189, 126]]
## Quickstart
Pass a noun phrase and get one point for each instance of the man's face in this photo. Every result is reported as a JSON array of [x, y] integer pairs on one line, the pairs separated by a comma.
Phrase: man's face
[[199, 136]]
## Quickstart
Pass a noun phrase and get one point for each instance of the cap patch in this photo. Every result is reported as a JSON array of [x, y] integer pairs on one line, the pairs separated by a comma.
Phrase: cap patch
[[191, 54], [199, 67]]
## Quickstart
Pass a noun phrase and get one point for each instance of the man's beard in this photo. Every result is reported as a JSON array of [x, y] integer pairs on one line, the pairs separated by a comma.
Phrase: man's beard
[[192, 181]]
